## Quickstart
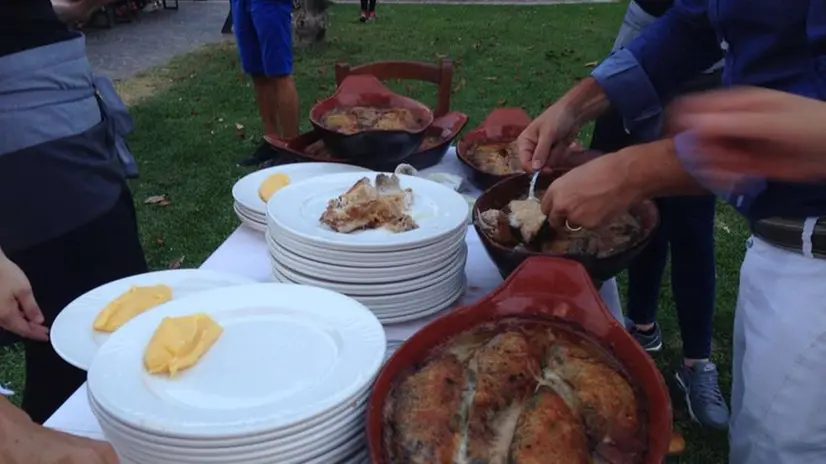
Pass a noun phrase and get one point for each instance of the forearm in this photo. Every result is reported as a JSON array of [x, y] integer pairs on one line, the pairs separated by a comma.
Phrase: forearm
[[653, 170], [70, 11], [586, 101]]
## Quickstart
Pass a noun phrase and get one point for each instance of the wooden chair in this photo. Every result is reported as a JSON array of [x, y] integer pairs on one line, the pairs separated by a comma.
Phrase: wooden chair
[[440, 74]]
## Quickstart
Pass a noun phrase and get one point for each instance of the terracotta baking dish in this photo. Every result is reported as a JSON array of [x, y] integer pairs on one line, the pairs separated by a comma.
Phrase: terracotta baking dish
[[501, 125], [555, 290], [443, 131], [374, 145]]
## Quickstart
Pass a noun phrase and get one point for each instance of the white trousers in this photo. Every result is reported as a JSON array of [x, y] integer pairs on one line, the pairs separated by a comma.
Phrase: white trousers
[[778, 398]]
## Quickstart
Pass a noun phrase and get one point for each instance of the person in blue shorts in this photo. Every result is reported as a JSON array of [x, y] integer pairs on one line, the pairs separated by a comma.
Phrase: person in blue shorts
[[263, 30]]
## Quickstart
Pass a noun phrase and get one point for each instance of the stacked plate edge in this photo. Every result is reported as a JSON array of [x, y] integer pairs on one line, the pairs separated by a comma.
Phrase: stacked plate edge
[[287, 381], [399, 276]]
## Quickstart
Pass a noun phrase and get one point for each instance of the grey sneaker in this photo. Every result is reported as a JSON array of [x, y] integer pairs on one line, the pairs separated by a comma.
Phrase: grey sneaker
[[705, 402], [650, 342]]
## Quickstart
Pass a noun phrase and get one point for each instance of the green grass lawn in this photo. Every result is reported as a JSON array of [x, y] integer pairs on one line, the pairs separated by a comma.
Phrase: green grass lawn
[[187, 143]]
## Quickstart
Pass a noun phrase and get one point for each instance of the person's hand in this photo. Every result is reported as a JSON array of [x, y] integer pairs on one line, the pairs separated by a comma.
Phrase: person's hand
[[24, 441], [72, 11], [590, 195], [547, 139], [19, 312], [755, 132]]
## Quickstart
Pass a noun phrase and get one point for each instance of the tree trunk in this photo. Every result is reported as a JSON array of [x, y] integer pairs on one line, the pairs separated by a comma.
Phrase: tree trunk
[[310, 21]]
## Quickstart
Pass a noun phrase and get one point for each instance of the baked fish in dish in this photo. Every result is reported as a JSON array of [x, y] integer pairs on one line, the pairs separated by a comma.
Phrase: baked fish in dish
[[365, 206]]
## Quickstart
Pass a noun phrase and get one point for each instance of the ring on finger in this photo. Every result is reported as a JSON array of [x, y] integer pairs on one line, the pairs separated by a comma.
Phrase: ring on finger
[[571, 228]]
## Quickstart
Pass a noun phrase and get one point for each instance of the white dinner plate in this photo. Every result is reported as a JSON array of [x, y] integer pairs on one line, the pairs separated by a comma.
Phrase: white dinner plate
[[301, 442], [245, 191], [288, 353], [392, 299], [365, 259], [72, 335], [319, 422], [251, 223], [346, 274], [452, 266], [297, 210]]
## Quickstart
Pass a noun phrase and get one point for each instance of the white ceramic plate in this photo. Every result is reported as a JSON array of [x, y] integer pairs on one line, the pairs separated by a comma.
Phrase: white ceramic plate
[[365, 259], [427, 313], [307, 427], [346, 274], [297, 210], [245, 191], [249, 222], [452, 266], [288, 353], [299, 443], [393, 299], [72, 335], [262, 218]]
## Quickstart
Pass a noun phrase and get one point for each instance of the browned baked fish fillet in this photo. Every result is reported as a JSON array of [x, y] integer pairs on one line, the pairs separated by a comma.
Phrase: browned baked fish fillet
[[549, 432], [426, 419], [607, 402], [505, 371]]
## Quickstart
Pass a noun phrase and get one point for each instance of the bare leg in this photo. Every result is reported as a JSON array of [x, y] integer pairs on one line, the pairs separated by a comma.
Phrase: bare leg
[[267, 98], [286, 97]]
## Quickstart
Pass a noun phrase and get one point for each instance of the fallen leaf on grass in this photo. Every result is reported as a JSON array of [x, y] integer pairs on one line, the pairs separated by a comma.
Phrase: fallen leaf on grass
[[176, 263], [492, 78], [239, 131], [160, 242], [160, 200], [591, 64]]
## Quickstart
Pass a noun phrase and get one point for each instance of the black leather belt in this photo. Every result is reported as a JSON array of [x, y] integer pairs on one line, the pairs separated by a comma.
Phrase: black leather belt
[[788, 234]]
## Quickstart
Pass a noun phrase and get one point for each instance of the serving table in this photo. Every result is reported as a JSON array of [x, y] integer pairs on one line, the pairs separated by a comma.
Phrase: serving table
[[245, 253]]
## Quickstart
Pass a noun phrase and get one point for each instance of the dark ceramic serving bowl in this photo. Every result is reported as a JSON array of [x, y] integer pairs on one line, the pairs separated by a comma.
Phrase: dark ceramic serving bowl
[[507, 259], [370, 146], [550, 290], [443, 131]]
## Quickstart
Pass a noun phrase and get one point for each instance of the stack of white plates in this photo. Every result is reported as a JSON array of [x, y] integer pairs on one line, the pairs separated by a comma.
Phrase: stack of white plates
[[252, 210], [287, 381], [399, 276]]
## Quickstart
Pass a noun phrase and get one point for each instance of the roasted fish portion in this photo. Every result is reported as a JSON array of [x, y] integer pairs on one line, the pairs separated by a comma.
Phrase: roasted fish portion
[[527, 216], [498, 158], [362, 118], [505, 371], [426, 421], [549, 432], [606, 400], [364, 206]]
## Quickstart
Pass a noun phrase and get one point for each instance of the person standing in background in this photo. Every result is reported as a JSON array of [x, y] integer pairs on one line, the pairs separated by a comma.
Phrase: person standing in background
[[687, 225], [368, 10], [69, 222], [263, 30]]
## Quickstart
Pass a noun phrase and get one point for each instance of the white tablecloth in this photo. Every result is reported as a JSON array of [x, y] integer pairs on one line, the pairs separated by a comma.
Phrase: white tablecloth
[[245, 253]]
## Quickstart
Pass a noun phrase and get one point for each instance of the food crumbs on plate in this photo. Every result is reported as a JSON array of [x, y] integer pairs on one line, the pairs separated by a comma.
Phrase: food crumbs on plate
[[179, 343], [133, 302], [272, 184]]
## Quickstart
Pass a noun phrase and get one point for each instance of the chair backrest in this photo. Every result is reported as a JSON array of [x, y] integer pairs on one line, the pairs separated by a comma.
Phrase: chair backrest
[[440, 74]]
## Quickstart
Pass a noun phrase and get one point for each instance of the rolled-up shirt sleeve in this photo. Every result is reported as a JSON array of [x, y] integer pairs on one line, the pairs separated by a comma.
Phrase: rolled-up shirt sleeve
[[638, 78]]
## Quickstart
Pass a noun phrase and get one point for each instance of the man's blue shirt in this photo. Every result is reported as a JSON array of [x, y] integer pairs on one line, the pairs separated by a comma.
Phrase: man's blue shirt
[[768, 43]]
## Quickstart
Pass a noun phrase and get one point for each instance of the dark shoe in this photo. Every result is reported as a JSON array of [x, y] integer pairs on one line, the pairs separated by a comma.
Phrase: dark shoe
[[705, 402], [261, 155], [363, 17], [650, 342]]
